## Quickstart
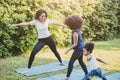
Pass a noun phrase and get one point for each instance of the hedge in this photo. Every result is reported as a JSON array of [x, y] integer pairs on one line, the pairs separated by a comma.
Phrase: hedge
[[101, 22]]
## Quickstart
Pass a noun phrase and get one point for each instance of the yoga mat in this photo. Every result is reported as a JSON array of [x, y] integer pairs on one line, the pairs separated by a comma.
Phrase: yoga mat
[[36, 70], [114, 76], [75, 75]]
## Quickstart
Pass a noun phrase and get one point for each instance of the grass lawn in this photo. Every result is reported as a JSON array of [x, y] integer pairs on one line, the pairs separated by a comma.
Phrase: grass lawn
[[108, 51]]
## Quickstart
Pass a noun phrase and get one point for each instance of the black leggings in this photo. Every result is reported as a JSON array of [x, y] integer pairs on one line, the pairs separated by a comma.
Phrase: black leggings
[[41, 43], [77, 54]]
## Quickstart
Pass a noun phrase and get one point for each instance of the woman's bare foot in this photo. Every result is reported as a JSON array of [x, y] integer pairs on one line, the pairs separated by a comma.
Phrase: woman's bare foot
[[66, 78], [26, 71], [62, 64]]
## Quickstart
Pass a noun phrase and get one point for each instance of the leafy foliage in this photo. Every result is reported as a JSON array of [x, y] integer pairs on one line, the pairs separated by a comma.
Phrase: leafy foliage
[[101, 21]]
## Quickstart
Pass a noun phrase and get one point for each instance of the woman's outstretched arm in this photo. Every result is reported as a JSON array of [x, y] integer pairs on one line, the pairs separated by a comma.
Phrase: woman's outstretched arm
[[57, 24], [21, 24]]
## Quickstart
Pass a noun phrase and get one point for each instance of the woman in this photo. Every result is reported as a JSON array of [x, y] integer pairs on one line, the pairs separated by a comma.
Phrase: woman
[[44, 38]]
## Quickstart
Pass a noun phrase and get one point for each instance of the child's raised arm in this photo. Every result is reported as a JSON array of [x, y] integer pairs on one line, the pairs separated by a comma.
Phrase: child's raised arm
[[100, 60]]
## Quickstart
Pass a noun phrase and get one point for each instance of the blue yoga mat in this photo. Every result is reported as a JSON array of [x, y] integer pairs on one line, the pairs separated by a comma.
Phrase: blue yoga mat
[[115, 76], [36, 70], [75, 75]]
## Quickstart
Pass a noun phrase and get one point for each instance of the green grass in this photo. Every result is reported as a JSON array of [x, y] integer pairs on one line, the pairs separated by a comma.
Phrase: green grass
[[108, 51], [108, 45]]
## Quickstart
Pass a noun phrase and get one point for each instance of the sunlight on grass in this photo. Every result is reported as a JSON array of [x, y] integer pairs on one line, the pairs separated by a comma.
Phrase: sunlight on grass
[[111, 57], [108, 45], [108, 51]]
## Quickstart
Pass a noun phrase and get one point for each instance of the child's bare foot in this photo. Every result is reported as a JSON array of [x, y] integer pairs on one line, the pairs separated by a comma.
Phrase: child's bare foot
[[65, 78], [62, 64], [26, 71]]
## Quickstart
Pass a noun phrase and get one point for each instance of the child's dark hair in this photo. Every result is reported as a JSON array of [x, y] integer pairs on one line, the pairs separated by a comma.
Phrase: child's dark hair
[[89, 46], [74, 22], [39, 12]]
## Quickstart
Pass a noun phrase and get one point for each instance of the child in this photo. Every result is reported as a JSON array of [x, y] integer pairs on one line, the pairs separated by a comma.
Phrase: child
[[44, 38], [95, 70], [75, 23]]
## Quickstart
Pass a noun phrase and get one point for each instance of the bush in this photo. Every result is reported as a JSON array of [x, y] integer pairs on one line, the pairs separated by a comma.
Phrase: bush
[[15, 40], [101, 22]]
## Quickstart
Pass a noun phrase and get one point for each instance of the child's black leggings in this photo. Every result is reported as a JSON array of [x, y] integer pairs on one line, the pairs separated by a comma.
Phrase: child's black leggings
[[41, 43], [77, 54]]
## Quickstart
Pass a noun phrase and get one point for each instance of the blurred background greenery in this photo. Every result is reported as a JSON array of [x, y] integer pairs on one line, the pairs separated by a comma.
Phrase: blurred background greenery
[[101, 22]]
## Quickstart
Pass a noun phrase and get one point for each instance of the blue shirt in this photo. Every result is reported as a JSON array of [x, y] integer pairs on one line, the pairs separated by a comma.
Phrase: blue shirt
[[80, 44]]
